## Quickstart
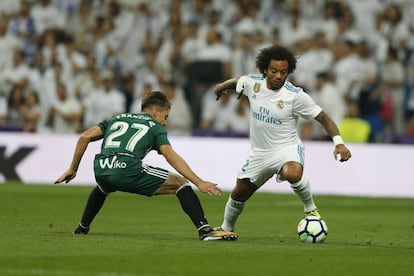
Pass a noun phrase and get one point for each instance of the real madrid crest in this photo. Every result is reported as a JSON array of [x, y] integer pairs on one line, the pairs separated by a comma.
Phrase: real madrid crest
[[280, 104], [256, 87]]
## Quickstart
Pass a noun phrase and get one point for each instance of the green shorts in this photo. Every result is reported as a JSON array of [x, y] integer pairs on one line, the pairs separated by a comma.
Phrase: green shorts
[[144, 182]]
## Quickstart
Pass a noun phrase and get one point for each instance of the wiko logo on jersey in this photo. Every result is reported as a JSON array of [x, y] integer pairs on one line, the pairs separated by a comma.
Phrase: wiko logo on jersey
[[112, 164]]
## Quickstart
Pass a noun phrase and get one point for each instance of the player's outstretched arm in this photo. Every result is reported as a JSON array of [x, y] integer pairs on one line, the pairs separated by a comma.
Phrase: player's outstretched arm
[[178, 163], [222, 87], [92, 134], [333, 132]]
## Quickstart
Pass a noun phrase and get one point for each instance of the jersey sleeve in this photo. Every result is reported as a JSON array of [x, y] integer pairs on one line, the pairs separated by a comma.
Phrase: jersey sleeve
[[241, 84], [103, 125], [161, 138], [305, 107]]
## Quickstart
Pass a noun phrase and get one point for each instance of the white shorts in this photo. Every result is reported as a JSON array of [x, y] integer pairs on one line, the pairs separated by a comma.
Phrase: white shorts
[[261, 166]]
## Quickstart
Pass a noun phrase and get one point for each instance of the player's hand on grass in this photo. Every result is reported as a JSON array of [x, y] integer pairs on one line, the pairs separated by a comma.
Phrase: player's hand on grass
[[67, 176], [342, 153], [209, 188]]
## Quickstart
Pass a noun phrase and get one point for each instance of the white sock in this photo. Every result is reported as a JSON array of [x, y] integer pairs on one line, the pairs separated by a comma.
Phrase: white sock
[[231, 212], [302, 189]]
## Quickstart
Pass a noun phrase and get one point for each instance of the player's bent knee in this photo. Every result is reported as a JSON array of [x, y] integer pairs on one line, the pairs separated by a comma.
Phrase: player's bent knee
[[176, 181], [294, 179], [179, 179], [292, 172]]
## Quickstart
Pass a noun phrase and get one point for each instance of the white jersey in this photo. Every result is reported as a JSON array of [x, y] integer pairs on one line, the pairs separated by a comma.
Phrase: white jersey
[[274, 114]]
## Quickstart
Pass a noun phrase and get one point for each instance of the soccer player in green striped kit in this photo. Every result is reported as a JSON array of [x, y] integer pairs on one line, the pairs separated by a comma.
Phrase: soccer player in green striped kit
[[126, 139]]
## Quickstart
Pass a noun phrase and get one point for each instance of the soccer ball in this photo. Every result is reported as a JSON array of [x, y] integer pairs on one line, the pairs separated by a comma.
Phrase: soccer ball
[[312, 229]]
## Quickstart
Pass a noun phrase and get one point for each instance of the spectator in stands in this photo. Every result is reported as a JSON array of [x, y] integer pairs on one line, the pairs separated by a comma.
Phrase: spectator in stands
[[169, 46], [9, 7], [314, 51], [239, 120], [214, 22], [410, 128], [8, 43], [215, 118], [55, 74], [329, 98], [124, 24], [191, 42], [248, 21], [65, 114], [80, 24], [392, 77], [370, 102], [47, 16], [260, 41], [328, 23], [409, 95], [86, 79], [196, 10], [392, 25], [71, 57], [32, 113], [346, 27], [243, 57], [16, 107], [367, 78], [149, 72], [180, 117], [105, 48], [346, 65], [17, 74], [151, 21], [273, 12], [103, 102], [305, 72], [365, 13], [353, 128], [212, 62], [294, 28], [37, 75], [3, 109], [23, 26], [49, 46], [214, 49], [38, 83]]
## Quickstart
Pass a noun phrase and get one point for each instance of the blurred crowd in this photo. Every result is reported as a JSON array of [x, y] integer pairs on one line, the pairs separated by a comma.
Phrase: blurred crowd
[[67, 64]]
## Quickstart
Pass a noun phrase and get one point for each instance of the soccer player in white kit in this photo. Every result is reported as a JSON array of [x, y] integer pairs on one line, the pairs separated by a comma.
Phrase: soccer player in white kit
[[276, 148]]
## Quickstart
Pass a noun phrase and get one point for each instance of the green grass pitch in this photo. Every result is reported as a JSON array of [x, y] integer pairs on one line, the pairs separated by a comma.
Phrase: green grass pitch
[[136, 235]]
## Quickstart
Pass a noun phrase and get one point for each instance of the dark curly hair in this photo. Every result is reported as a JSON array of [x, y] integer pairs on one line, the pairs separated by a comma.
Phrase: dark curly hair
[[275, 53]]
